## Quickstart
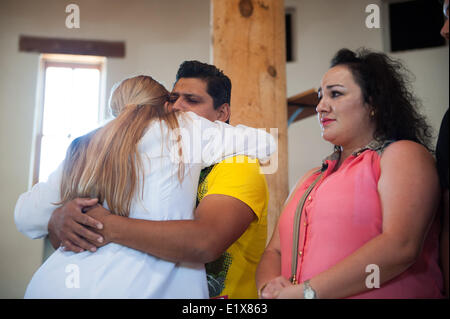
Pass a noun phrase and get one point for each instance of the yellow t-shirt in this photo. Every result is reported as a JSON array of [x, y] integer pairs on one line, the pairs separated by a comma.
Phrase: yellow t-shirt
[[233, 274]]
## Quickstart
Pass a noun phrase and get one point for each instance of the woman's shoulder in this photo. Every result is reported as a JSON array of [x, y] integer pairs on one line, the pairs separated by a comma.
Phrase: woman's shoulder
[[309, 173], [405, 149], [306, 176], [300, 182], [404, 155]]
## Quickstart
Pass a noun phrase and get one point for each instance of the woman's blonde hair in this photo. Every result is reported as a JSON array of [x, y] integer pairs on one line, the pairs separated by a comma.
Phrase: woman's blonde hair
[[105, 163]]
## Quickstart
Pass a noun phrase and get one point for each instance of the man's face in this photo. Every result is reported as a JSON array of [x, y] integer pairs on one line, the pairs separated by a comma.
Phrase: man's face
[[444, 30], [190, 94]]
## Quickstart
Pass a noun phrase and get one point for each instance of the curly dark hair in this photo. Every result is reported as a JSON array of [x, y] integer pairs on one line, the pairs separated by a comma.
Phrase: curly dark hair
[[386, 86]]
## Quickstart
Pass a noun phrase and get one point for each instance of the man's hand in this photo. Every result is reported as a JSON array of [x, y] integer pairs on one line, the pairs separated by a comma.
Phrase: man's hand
[[101, 214], [70, 226]]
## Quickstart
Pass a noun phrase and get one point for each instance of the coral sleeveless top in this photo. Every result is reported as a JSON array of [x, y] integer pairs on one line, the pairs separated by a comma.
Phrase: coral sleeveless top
[[340, 215]]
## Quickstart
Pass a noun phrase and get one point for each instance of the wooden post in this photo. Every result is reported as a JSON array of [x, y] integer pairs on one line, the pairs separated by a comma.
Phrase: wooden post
[[248, 44]]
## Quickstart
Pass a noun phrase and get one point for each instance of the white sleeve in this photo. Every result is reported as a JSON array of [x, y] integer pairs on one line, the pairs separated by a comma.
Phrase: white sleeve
[[35, 207], [206, 142]]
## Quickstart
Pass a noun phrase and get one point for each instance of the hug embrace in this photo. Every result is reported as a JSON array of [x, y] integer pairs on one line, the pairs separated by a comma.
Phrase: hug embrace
[[142, 213]]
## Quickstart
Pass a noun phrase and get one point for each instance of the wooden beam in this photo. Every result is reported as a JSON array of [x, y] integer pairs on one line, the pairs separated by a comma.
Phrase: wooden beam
[[72, 46], [249, 46]]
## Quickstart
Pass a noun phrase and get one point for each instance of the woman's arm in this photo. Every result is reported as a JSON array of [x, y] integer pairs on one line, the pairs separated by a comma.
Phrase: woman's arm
[[36, 215], [409, 190], [207, 143], [34, 208], [268, 274]]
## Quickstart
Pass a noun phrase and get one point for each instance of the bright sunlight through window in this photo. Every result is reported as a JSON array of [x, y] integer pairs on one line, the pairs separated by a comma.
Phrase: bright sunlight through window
[[72, 94]]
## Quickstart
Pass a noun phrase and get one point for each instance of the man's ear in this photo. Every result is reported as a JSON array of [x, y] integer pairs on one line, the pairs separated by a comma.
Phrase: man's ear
[[224, 112]]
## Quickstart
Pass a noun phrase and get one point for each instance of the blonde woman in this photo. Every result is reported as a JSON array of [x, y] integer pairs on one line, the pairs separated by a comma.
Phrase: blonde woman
[[138, 165]]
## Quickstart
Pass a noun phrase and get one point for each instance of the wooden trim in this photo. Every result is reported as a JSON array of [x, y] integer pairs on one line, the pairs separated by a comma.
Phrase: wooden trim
[[308, 100], [306, 97], [308, 110], [37, 158], [40, 118], [72, 46], [72, 65]]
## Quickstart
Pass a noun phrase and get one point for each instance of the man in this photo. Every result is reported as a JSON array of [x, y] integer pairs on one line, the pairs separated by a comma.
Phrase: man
[[230, 225], [442, 155]]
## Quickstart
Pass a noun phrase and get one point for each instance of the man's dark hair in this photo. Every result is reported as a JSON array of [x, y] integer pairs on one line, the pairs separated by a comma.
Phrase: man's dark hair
[[386, 86], [218, 85]]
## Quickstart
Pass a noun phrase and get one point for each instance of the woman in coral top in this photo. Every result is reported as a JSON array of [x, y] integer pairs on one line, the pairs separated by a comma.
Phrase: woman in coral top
[[368, 228]]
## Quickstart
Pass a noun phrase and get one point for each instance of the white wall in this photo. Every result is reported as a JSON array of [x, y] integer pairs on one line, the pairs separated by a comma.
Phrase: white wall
[[323, 27], [430, 68], [159, 35]]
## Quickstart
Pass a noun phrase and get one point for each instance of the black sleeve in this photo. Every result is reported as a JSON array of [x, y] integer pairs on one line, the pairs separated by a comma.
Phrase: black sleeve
[[442, 152]]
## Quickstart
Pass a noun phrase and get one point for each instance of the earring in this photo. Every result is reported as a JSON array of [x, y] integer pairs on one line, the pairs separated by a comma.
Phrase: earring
[[372, 113]]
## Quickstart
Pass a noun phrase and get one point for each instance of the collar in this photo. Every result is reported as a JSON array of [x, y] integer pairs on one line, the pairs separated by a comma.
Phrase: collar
[[374, 145]]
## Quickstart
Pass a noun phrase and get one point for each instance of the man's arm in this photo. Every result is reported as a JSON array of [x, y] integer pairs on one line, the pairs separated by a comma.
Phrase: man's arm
[[219, 221]]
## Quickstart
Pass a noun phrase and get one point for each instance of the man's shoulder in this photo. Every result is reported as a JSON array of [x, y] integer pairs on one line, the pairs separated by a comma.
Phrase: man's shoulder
[[238, 170], [239, 163], [240, 179]]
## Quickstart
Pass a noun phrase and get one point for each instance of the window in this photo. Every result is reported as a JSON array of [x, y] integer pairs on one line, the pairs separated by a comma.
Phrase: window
[[71, 106], [289, 24]]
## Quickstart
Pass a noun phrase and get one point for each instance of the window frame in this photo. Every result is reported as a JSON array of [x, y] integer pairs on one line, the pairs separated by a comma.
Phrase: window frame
[[70, 61]]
